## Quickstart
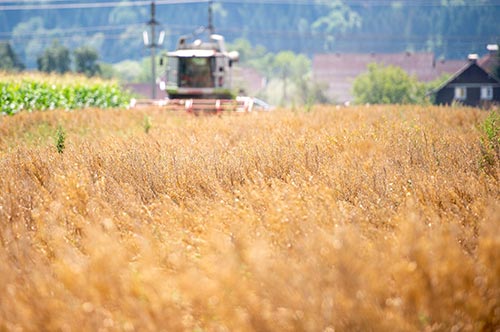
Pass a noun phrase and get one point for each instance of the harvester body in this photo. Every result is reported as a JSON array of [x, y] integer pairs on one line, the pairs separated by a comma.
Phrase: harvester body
[[200, 70], [198, 75]]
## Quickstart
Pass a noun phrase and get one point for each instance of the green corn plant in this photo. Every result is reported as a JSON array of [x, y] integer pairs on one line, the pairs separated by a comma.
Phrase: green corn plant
[[60, 139], [146, 124], [490, 140], [28, 92]]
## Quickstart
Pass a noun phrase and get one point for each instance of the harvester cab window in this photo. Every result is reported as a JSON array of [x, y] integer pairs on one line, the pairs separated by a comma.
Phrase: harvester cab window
[[196, 72]]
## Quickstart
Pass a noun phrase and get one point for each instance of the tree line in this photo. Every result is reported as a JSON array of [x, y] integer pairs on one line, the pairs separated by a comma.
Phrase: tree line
[[449, 28], [55, 59]]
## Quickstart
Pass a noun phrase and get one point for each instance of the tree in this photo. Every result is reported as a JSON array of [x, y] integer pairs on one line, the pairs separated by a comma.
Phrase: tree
[[293, 72], [56, 58], [124, 15], [243, 47], [128, 71], [282, 68], [28, 47], [288, 66], [339, 19], [8, 58], [253, 56], [107, 71], [86, 61], [133, 71], [387, 85]]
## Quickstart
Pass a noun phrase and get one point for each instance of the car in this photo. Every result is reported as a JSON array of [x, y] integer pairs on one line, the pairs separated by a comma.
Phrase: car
[[253, 104]]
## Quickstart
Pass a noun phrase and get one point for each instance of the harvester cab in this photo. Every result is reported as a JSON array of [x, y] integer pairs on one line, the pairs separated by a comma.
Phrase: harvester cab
[[200, 69]]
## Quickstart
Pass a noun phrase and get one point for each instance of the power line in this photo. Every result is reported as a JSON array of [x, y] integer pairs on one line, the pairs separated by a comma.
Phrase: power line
[[109, 4], [368, 3], [38, 1], [73, 30], [92, 5]]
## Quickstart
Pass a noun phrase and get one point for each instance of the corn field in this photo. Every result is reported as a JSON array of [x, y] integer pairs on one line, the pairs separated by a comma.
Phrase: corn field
[[382, 218], [28, 92]]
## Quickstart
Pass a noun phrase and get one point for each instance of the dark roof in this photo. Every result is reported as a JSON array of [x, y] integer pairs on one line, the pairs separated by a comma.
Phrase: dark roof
[[489, 62], [459, 77]]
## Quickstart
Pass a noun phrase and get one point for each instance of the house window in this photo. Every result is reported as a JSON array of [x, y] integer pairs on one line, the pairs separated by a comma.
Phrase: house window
[[486, 93], [460, 93]]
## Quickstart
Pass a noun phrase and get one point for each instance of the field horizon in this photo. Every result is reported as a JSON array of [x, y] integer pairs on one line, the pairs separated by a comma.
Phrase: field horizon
[[380, 218]]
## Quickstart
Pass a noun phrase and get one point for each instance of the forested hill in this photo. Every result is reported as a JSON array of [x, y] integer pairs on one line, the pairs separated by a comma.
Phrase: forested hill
[[449, 28]]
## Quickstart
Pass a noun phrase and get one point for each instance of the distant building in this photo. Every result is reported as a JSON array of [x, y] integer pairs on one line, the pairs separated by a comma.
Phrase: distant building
[[472, 85], [339, 70]]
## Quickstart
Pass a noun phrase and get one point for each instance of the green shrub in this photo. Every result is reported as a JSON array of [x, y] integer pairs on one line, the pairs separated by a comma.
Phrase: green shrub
[[387, 85]]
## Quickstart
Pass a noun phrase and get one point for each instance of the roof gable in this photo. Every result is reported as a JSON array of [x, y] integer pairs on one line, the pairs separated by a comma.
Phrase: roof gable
[[471, 73]]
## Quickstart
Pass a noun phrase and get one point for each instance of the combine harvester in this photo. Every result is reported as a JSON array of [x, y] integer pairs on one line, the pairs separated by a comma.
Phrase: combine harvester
[[199, 76]]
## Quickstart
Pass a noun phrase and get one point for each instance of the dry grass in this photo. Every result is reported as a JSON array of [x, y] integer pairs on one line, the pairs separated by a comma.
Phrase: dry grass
[[356, 219]]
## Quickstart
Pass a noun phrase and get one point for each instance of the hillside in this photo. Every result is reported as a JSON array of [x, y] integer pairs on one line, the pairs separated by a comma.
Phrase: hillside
[[450, 29]]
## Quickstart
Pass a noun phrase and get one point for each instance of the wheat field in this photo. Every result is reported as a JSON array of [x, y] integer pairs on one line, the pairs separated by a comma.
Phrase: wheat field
[[382, 218]]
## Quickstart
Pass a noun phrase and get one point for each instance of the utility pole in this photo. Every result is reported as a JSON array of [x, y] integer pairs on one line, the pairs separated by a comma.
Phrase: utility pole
[[210, 18], [153, 23]]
